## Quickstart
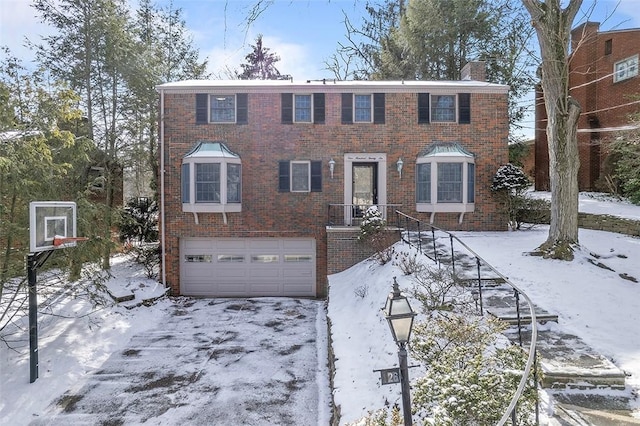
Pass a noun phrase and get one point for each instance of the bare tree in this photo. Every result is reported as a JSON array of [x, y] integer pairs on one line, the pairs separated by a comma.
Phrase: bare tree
[[553, 25]]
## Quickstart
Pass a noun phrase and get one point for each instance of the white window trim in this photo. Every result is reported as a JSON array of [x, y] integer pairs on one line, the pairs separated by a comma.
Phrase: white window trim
[[223, 206], [370, 95], [444, 207], [294, 108], [308, 164], [632, 60], [455, 108], [235, 107]]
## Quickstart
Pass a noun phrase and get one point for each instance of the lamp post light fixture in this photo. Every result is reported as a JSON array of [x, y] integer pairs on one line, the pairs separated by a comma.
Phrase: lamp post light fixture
[[332, 166], [400, 317], [399, 165]]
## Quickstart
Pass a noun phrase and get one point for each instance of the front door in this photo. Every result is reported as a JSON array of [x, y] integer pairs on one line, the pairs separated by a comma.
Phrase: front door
[[365, 187]]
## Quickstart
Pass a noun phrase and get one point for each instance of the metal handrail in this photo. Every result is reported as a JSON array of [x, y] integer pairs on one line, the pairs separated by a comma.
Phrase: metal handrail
[[347, 214], [534, 328]]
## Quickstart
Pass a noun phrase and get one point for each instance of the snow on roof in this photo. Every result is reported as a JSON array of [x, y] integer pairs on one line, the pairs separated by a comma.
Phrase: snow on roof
[[329, 85]]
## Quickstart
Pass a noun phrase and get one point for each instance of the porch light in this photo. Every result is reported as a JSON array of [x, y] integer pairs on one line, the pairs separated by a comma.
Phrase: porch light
[[399, 165], [332, 166]]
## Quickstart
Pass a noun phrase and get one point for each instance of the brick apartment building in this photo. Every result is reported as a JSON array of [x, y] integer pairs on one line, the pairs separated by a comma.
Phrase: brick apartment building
[[255, 175], [604, 79]]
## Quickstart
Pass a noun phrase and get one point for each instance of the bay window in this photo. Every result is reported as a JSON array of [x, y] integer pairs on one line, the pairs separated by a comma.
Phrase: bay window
[[445, 180], [211, 179]]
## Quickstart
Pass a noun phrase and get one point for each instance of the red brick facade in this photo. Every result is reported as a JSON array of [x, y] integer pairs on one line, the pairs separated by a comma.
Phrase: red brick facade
[[606, 105], [264, 141]]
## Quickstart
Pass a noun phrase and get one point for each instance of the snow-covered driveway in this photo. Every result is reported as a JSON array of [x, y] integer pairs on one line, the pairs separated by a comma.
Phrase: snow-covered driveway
[[209, 362]]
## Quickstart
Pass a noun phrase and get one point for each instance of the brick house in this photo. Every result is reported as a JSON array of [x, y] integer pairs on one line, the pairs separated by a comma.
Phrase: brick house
[[603, 77], [261, 179]]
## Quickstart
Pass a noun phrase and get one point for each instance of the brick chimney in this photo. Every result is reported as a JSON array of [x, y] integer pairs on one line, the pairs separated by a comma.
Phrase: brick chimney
[[476, 70], [586, 32]]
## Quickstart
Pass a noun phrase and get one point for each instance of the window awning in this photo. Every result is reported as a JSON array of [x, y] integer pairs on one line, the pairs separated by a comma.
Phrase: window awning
[[445, 149], [211, 150]]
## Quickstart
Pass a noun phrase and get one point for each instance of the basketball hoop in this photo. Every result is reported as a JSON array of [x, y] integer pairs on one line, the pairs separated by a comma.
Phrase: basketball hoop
[[60, 242]]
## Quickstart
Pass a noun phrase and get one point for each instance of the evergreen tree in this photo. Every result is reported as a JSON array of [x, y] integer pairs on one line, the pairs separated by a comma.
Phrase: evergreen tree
[[114, 62], [434, 39], [260, 64]]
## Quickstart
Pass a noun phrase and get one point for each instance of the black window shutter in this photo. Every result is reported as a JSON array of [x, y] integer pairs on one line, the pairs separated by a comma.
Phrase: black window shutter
[[316, 176], [283, 176], [242, 108], [378, 108], [464, 108], [347, 108], [423, 108], [202, 105], [318, 108], [287, 108]]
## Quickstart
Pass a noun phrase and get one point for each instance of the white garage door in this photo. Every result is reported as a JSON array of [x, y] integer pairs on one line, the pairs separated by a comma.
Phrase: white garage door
[[247, 267]]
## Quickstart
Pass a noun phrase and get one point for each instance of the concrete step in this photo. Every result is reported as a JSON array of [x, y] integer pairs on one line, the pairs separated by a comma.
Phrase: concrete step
[[568, 363], [500, 302]]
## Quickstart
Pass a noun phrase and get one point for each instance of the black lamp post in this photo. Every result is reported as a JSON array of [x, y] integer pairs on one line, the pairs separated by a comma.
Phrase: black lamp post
[[400, 316]]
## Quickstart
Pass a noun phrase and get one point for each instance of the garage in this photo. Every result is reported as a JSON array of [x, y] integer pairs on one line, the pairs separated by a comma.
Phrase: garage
[[247, 267]]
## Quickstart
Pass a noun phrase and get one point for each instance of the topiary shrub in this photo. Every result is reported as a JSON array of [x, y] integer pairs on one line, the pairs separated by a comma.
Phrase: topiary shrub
[[510, 184], [372, 233], [372, 223]]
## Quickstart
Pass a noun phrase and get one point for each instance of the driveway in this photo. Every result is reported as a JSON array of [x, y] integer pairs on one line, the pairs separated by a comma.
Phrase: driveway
[[211, 362]]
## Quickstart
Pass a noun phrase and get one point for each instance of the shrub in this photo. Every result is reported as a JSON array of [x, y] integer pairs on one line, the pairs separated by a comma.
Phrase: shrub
[[471, 376], [382, 245], [139, 221], [510, 183], [147, 255], [624, 161], [438, 289], [380, 418], [372, 233], [372, 223], [409, 264]]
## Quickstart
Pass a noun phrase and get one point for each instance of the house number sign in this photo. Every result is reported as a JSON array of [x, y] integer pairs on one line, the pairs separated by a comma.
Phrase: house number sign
[[390, 376]]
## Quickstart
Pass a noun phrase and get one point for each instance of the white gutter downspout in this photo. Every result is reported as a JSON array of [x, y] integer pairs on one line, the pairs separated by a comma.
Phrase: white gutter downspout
[[162, 208]]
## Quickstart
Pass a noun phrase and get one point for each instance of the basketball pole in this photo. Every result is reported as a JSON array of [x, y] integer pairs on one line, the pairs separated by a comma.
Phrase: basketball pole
[[34, 260]]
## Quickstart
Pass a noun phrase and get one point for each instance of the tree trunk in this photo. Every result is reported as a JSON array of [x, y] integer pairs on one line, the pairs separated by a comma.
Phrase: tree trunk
[[553, 27]]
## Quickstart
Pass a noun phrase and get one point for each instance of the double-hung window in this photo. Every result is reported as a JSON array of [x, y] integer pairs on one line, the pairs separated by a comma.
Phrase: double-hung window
[[303, 108], [362, 108], [423, 183], [449, 182], [445, 108], [223, 108], [207, 181], [300, 176], [211, 179], [445, 180]]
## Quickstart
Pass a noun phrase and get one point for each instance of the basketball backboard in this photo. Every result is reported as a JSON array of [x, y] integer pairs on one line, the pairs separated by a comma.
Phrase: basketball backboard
[[49, 220]]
